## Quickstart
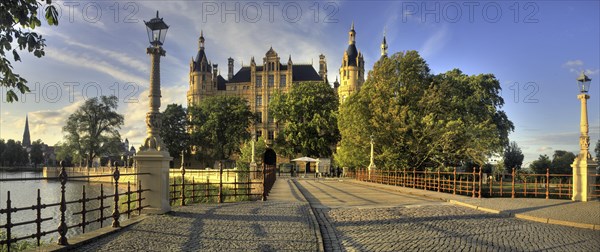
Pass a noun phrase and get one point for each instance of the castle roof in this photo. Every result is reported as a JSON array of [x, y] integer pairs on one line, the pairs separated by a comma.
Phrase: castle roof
[[299, 73], [352, 55]]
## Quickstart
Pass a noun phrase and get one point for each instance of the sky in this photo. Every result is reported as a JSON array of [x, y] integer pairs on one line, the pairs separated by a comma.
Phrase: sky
[[535, 49]]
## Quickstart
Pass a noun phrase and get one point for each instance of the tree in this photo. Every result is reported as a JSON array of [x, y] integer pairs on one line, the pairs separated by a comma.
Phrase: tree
[[540, 165], [420, 120], [243, 163], [597, 150], [2, 148], [561, 162], [219, 125], [92, 130], [513, 157], [14, 15], [14, 154], [308, 114], [174, 130], [36, 155]]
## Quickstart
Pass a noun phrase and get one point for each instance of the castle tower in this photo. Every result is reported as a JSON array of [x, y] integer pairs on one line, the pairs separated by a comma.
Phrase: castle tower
[[322, 67], [202, 81], [229, 68], [352, 71], [26, 137]]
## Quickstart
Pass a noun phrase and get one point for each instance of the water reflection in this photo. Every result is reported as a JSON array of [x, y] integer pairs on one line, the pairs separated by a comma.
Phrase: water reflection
[[24, 194]]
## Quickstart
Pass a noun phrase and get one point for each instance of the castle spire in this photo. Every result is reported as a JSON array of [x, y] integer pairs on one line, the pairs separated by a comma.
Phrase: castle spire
[[201, 40], [26, 137], [384, 47], [351, 35]]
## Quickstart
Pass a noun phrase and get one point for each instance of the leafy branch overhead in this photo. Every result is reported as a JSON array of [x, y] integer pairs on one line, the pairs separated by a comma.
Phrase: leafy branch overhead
[[18, 19]]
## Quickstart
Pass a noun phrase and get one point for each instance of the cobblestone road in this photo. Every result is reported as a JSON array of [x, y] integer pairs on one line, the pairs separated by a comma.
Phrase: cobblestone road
[[364, 224], [245, 226]]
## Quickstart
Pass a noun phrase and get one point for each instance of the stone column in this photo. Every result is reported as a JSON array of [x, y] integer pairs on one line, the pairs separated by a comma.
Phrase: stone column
[[372, 163], [583, 166], [253, 167], [153, 157]]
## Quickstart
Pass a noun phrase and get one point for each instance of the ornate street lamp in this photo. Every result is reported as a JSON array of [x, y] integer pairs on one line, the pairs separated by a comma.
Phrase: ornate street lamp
[[157, 32], [583, 166]]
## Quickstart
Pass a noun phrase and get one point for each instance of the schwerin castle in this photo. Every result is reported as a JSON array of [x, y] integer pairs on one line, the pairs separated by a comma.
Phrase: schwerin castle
[[257, 83]]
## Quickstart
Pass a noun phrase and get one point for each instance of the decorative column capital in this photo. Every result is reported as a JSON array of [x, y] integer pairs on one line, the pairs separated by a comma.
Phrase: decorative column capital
[[156, 50]]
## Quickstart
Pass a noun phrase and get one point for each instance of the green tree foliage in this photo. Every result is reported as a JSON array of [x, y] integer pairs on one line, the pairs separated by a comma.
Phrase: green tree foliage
[[540, 165], [13, 154], [36, 155], [92, 130], [561, 162], [174, 130], [17, 20], [260, 146], [219, 125], [308, 114], [513, 157], [422, 120]]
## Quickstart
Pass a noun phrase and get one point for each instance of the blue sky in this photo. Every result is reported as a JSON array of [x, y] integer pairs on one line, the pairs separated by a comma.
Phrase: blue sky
[[535, 49]]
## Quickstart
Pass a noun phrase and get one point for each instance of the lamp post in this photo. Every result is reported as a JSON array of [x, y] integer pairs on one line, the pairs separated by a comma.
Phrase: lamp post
[[157, 32], [372, 163], [153, 157], [583, 166], [252, 160]]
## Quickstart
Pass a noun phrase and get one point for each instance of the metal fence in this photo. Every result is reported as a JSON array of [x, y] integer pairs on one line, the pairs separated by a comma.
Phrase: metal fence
[[132, 200], [474, 183], [246, 185]]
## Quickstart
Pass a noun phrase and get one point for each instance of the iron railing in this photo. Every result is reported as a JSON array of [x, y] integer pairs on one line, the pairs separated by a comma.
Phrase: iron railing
[[248, 184], [475, 185], [83, 202]]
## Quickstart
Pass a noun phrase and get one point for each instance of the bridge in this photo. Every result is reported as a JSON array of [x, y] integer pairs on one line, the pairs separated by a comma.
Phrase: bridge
[[351, 215]]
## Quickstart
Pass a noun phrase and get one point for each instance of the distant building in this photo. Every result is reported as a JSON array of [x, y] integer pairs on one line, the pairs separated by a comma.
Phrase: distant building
[[352, 71]]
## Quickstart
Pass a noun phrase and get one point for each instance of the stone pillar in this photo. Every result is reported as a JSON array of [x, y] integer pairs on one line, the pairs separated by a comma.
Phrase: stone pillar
[[253, 167], [583, 166], [153, 157], [156, 163]]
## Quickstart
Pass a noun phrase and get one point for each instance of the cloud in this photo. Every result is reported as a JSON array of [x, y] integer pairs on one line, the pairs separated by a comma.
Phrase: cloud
[[434, 43], [544, 149], [98, 65], [573, 63]]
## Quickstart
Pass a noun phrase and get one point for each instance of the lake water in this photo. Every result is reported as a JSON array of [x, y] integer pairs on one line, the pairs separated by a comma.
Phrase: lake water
[[24, 194]]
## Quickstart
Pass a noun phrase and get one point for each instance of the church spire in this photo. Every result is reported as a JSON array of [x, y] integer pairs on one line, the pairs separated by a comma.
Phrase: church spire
[[26, 138]]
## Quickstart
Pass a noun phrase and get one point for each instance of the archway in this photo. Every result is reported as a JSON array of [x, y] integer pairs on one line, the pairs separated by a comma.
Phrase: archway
[[270, 157]]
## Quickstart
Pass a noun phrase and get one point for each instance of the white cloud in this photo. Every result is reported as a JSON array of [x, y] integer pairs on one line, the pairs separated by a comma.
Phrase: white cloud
[[573, 63], [434, 43]]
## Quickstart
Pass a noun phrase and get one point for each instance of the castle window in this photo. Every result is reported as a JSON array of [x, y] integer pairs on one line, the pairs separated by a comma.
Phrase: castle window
[[258, 134], [270, 119], [271, 80], [271, 135], [258, 81], [202, 86], [258, 101], [259, 117], [203, 77], [282, 81]]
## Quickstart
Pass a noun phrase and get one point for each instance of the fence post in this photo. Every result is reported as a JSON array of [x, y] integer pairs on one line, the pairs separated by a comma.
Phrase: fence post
[[547, 183], [480, 182], [425, 180], [473, 189], [438, 179], [8, 221], [513, 183], [264, 184], [220, 183], [183, 183], [155, 162], [115, 213], [454, 181], [414, 177], [62, 227]]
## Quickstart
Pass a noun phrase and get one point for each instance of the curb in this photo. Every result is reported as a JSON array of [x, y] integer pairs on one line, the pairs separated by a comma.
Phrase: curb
[[86, 238], [313, 218], [502, 213]]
